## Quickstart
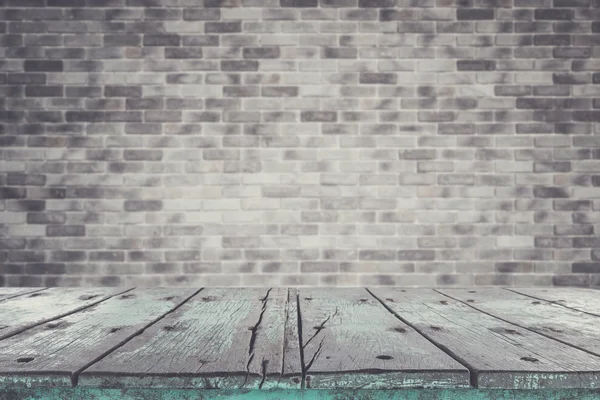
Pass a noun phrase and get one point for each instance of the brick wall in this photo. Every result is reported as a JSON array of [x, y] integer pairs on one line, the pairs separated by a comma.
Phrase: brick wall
[[300, 142]]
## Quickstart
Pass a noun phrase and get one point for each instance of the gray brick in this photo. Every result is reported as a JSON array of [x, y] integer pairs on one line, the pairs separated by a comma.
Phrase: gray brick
[[65, 230]]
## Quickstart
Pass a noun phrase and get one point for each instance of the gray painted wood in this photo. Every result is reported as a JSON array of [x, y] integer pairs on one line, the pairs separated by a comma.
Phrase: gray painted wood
[[53, 353], [351, 341], [500, 355], [569, 326], [292, 363], [25, 311], [9, 293], [586, 300], [226, 338]]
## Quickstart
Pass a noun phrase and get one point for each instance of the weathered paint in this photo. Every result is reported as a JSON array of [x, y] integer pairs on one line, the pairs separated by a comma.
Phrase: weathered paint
[[316, 394]]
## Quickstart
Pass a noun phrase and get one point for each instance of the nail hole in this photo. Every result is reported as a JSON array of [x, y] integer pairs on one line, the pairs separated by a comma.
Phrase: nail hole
[[388, 299], [435, 328], [511, 331], [209, 298], [318, 327], [308, 298], [403, 291], [444, 302], [327, 357], [384, 357], [88, 296], [127, 296], [168, 328], [25, 359], [52, 325], [472, 291], [363, 300], [530, 359], [113, 330], [470, 301], [35, 295], [169, 298], [535, 302], [400, 329], [296, 380], [3, 327]]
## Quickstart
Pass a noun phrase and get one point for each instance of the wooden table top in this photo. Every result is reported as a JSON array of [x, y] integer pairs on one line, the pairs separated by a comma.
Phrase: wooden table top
[[300, 338]]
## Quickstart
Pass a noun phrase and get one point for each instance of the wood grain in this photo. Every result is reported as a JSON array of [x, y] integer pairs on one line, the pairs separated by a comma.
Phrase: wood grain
[[52, 354], [569, 326], [500, 355], [586, 300], [220, 339], [9, 293], [350, 341], [23, 312]]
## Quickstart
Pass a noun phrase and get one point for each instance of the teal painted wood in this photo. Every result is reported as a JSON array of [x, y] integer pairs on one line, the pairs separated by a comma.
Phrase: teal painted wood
[[350, 341], [9, 293], [566, 325], [53, 354], [500, 355], [320, 394], [586, 300], [226, 338], [23, 312]]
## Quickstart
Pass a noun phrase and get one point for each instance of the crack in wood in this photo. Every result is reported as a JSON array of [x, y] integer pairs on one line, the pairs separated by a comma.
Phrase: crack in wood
[[300, 347], [319, 328], [254, 330]]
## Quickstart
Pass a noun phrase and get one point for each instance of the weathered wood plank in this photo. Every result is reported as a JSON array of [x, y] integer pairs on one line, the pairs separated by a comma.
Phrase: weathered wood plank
[[23, 312], [221, 339], [292, 362], [586, 300], [500, 355], [9, 293], [54, 353], [350, 341], [569, 326]]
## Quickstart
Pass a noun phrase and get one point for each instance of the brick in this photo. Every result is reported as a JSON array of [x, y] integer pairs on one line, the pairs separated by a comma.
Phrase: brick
[[318, 116], [475, 14], [223, 27], [261, 52], [43, 66], [199, 14], [143, 205], [162, 40], [553, 14], [299, 3], [239, 65], [65, 230], [378, 78], [476, 65]]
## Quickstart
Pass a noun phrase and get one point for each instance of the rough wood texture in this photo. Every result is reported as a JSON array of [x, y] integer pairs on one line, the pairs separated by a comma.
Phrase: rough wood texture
[[221, 338], [585, 300], [499, 355], [569, 326], [23, 312], [350, 341], [52, 354], [9, 293]]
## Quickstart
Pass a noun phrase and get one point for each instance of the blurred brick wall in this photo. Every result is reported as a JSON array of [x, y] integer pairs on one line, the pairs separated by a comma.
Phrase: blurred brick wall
[[299, 142]]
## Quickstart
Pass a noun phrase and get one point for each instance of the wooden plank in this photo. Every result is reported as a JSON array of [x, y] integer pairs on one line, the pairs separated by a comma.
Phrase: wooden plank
[[54, 353], [500, 355], [23, 312], [586, 300], [221, 339], [350, 341], [9, 293], [292, 362], [568, 326]]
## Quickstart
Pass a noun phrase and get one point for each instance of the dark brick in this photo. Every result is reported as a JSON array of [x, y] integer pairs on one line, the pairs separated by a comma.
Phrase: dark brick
[[474, 13], [65, 230], [377, 255], [586, 116], [572, 52], [239, 65], [43, 66], [299, 3], [114, 256], [318, 116], [586, 268], [25, 79], [377, 3], [162, 40], [12, 243], [223, 27], [143, 205], [123, 91], [339, 52], [514, 267], [572, 3], [49, 217], [144, 104], [535, 103], [476, 65], [45, 268], [26, 205], [596, 77], [553, 14], [586, 242], [143, 155], [261, 52], [12, 193], [378, 78], [22, 179], [280, 91], [44, 91], [551, 40], [550, 192], [571, 280], [68, 256], [416, 255], [199, 14], [122, 40]]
